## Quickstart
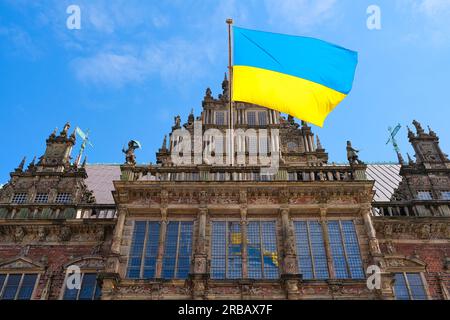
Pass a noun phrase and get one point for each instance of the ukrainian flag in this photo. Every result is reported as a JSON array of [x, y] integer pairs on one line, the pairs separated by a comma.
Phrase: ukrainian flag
[[303, 77]]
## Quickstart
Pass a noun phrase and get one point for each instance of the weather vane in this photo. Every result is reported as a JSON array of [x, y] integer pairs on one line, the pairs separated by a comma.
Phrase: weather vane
[[85, 137], [393, 133]]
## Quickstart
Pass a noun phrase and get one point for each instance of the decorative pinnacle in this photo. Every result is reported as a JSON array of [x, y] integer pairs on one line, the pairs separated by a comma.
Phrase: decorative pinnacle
[[229, 21]]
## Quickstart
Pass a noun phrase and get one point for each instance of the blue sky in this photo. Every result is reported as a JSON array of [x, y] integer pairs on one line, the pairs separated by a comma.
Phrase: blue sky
[[136, 64]]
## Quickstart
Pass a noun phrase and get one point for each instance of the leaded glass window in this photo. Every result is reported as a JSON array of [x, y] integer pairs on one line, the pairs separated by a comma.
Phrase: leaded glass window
[[409, 286], [262, 118], [63, 197], [424, 195], [178, 248], [144, 250], [220, 118], [311, 254], [345, 250], [445, 195], [17, 286], [89, 289], [41, 198], [262, 253], [251, 118], [19, 198], [226, 250]]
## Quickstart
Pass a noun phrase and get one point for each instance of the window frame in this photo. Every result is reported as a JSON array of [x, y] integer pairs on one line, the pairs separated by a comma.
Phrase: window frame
[[67, 195], [22, 273], [83, 273], [311, 255], [38, 197], [445, 195], [177, 252], [227, 222], [143, 254], [262, 254], [344, 248], [408, 286], [430, 194], [23, 196]]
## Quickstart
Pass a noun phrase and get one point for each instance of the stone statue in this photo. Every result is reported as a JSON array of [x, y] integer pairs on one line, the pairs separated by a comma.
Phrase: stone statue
[[352, 154], [130, 157], [65, 129], [177, 122]]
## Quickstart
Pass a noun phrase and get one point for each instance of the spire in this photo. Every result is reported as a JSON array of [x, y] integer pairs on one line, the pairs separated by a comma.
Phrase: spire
[[410, 161], [410, 133], [319, 145], [164, 144], [191, 117], [32, 163], [400, 158]]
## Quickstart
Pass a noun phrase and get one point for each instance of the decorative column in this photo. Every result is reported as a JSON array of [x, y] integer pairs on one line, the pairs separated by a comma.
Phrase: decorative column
[[326, 240], [290, 275], [244, 223], [199, 276], [110, 277], [198, 279], [162, 236], [374, 247]]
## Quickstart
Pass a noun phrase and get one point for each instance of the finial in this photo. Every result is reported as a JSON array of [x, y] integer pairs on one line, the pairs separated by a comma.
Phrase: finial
[[208, 93], [21, 164], [65, 129], [164, 144], [400, 158], [418, 127], [431, 132], [410, 133], [229, 21], [32, 163], [53, 134], [73, 136], [410, 161]]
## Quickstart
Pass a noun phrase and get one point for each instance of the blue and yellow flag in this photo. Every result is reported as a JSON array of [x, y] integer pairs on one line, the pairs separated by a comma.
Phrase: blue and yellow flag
[[303, 77]]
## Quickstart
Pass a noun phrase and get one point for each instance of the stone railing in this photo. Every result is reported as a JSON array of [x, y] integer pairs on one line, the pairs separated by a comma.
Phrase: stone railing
[[306, 174], [48, 211], [411, 209]]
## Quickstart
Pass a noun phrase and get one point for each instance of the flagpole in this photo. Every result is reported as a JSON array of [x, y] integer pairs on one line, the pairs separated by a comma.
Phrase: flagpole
[[230, 88]]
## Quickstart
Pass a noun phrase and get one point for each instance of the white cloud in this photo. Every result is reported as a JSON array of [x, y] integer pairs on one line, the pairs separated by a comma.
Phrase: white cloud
[[434, 7], [302, 14], [20, 42], [432, 27], [174, 60]]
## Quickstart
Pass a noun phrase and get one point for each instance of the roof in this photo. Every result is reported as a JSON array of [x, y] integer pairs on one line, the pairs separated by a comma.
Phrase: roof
[[387, 178], [101, 176], [100, 181]]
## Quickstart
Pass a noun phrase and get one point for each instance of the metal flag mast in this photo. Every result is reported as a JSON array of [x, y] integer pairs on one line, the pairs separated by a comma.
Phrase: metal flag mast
[[230, 88]]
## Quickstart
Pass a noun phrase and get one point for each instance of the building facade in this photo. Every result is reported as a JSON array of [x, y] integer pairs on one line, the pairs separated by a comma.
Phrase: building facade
[[223, 227]]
